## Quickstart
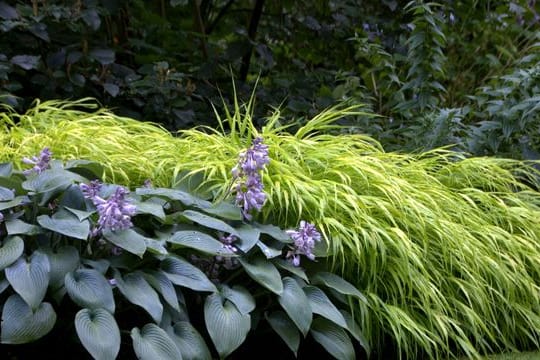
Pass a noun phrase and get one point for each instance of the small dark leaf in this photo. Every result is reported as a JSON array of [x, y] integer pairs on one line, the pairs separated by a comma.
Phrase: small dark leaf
[[103, 56], [8, 12], [91, 18], [27, 62], [111, 89], [39, 30]]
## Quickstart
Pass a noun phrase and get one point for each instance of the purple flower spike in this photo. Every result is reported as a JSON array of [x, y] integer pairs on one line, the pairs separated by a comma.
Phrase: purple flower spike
[[114, 213], [40, 163], [304, 242], [91, 191]]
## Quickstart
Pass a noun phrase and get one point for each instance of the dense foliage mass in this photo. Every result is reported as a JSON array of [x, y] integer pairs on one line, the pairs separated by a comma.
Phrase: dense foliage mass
[[444, 248]]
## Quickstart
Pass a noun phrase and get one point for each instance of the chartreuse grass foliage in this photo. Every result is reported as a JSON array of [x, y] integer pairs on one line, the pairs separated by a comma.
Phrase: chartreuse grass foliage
[[445, 248]]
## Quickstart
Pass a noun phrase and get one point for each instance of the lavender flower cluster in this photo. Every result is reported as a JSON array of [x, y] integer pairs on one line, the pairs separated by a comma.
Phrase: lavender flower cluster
[[249, 188], [114, 213], [40, 163], [304, 242]]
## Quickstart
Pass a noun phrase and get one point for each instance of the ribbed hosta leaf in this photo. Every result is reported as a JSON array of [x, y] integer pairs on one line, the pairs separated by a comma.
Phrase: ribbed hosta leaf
[[285, 328], [296, 304], [12, 248], [30, 279], [13, 203], [21, 325], [135, 288], [355, 331], [199, 241], [99, 333], [248, 237], [239, 296], [265, 273], [128, 240], [274, 232], [90, 289], [159, 281], [152, 343], [337, 283], [227, 327], [209, 222], [182, 273], [172, 194], [286, 265], [65, 223], [333, 338], [189, 341], [321, 304], [62, 261], [19, 227]]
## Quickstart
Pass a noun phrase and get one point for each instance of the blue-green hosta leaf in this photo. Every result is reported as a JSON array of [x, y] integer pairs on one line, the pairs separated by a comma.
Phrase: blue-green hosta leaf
[[152, 343], [227, 327], [100, 265], [337, 283], [156, 246], [6, 169], [286, 265], [90, 289], [88, 169], [248, 236], [333, 338], [172, 194], [296, 304], [209, 222], [80, 214], [274, 232], [355, 331], [30, 279], [62, 261], [4, 284], [321, 304], [199, 241], [51, 180], [65, 223], [285, 328], [265, 273], [148, 207], [4, 205], [12, 248], [6, 194], [99, 333], [135, 288], [159, 281], [182, 273], [19, 227], [224, 210], [21, 325], [239, 296], [128, 239], [189, 341], [268, 251]]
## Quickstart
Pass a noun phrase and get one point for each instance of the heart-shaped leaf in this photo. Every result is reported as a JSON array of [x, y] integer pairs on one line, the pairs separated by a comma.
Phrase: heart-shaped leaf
[[65, 223], [62, 261], [249, 236], [209, 222], [89, 288], [30, 279], [296, 304], [4, 205], [333, 338], [182, 273], [159, 281], [152, 342], [321, 304], [265, 273], [227, 327], [337, 283], [21, 325], [285, 328], [199, 241], [12, 248], [135, 288], [98, 332], [16, 227], [239, 296], [149, 207], [128, 239], [189, 341]]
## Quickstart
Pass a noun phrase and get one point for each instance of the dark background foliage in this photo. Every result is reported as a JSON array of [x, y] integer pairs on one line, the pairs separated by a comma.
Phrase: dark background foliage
[[462, 73]]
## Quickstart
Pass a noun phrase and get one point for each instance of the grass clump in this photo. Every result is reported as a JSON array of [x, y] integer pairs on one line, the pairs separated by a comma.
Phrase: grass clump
[[446, 248]]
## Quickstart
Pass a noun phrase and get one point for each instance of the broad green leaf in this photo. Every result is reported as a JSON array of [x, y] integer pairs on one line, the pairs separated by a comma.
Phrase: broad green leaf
[[227, 327], [239, 296], [286, 265], [128, 239], [100, 265], [51, 180], [65, 223], [88, 169], [190, 343], [62, 261], [337, 283], [80, 214], [159, 281], [90, 289], [224, 210], [21, 325], [268, 251], [19, 227], [355, 331], [209, 222], [183, 273], [99, 333], [274, 232], [156, 246], [296, 304], [172, 194], [152, 343], [199, 241], [4, 205], [148, 207], [321, 304], [12, 248], [30, 279], [333, 338], [265, 273], [137, 290], [285, 328], [248, 236]]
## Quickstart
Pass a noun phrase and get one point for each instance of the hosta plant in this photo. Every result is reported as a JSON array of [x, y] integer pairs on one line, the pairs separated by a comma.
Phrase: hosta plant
[[163, 271]]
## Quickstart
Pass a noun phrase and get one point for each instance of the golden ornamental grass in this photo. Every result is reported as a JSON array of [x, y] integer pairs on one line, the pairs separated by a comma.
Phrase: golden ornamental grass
[[446, 248]]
